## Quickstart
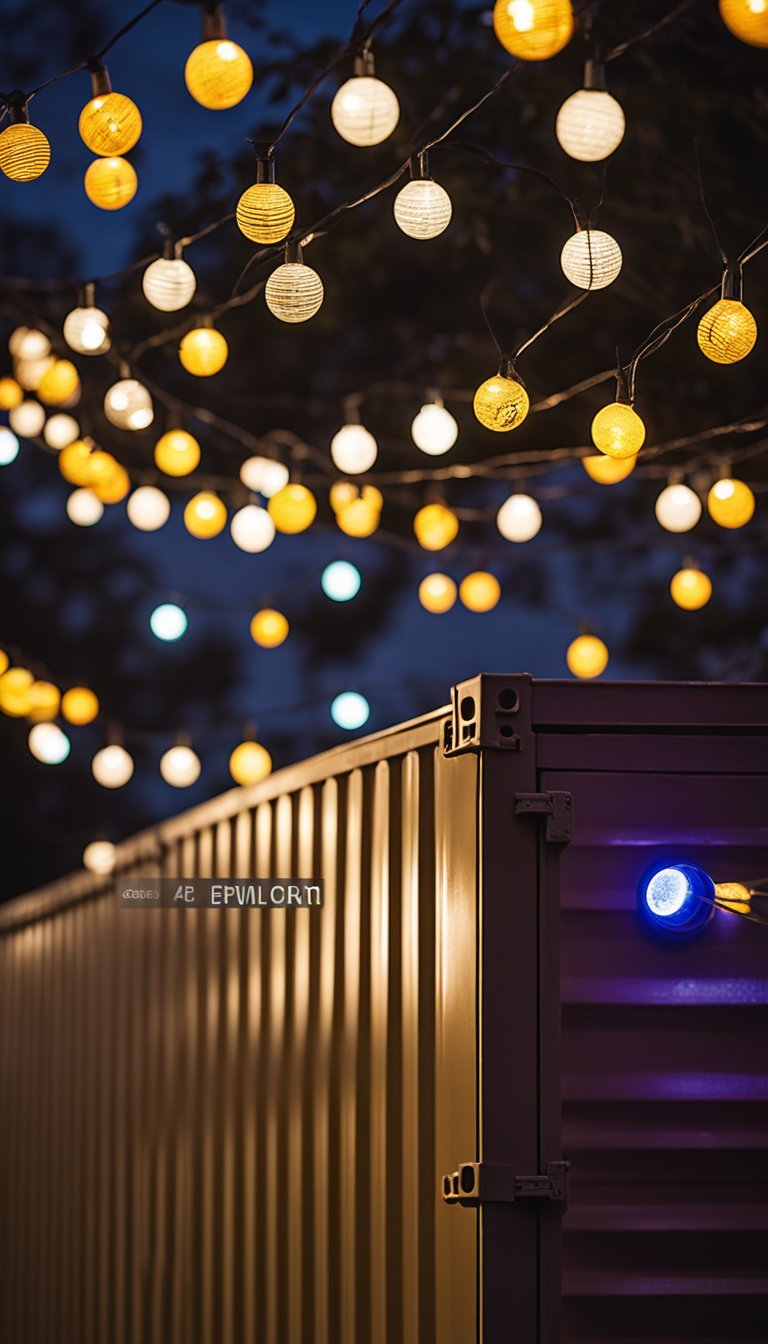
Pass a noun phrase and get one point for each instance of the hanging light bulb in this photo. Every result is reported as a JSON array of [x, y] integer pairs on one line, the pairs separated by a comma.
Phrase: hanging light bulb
[[218, 73], [112, 767], [111, 183], [690, 588], [731, 503], [437, 593], [519, 518], [250, 763], [590, 124], [728, 331], [29, 372], [587, 657], [533, 30], [15, 692], [79, 705], [48, 743], [44, 701], [28, 343], [591, 259], [86, 328], [354, 449], [747, 20], [9, 446], [169, 283], [177, 453], [269, 628], [264, 475], [678, 508], [608, 470], [109, 123], [128, 405], [480, 591], [59, 383], [434, 429], [99, 857], [365, 111], [265, 212], [148, 508], [27, 419], [422, 207], [617, 429], [61, 430], [113, 483], [75, 462], [5, 661], [203, 351], [180, 766], [293, 508], [361, 516], [11, 394], [435, 527], [294, 292], [350, 710], [24, 151], [205, 515], [340, 581], [84, 508], [501, 403], [252, 529]]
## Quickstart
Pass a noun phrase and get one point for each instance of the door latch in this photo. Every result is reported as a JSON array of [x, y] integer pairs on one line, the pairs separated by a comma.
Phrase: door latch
[[556, 806], [477, 1183]]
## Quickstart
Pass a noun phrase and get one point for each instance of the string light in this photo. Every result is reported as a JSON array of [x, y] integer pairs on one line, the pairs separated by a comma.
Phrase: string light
[[358, 512], [437, 593], [116, 484], [690, 589], [24, 151], [60, 430], [533, 30], [354, 449], [99, 857], [435, 527], [110, 123], [587, 657], [112, 767], [86, 329], [169, 622], [501, 403], [110, 184], [293, 508], [250, 763], [434, 429], [79, 706], [747, 20], [340, 581], [177, 453], [128, 405], [48, 743], [731, 503], [365, 110], [59, 383], [590, 124], [264, 475], [180, 766], [350, 710], [294, 292], [678, 508], [727, 332], [608, 470], [252, 529], [480, 591], [74, 462], [15, 687], [29, 372], [27, 419], [265, 212], [44, 701], [617, 429], [84, 508], [5, 661], [203, 351], [269, 628], [422, 207], [591, 259], [519, 518], [205, 515], [11, 394], [9, 446], [28, 343], [169, 283], [148, 508], [218, 73]]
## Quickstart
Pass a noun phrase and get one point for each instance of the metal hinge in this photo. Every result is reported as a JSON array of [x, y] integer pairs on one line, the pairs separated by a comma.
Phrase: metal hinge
[[556, 806], [478, 1183]]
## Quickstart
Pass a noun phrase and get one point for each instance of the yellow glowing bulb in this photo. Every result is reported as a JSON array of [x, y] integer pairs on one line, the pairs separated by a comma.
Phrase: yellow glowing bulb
[[74, 462], [293, 508], [365, 110], [533, 30], [730, 503], [294, 292], [59, 382], [205, 515], [358, 519], [435, 527], [110, 124], [110, 183], [747, 20], [249, 763], [177, 453], [437, 593], [690, 589], [265, 213], [5, 662], [203, 351], [11, 394], [79, 705], [116, 485], [501, 403], [15, 688], [618, 431], [608, 470], [480, 591], [24, 152], [727, 332], [587, 657], [218, 74], [45, 699], [269, 628]]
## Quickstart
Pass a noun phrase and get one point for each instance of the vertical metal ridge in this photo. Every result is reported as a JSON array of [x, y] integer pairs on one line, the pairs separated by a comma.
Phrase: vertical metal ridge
[[380, 933]]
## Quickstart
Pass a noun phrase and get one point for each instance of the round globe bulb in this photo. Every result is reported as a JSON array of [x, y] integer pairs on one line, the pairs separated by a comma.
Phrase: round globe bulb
[[265, 213], [250, 763], [177, 453], [60, 430], [218, 74], [79, 705], [5, 661], [269, 628], [111, 183], [203, 351], [357, 513], [519, 518], [480, 591], [354, 449], [24, 152], [148, 508], [74, 462], [730, 503], [591, 259], [99, 857], [27, 419], [608, 470], [340, 581], [9, 446], [437, 593], [49, 743], [590, 125], [28, 343], [59, 382], [727, 332], [169, 284], [252, 529], [423, 208], [168, 622], [29, 372], [180, 767], [294, 292], [293, 508], [501, 403], [84, 508], [587, 657], [44, 701], [116, 484], [747, 20], [618, 431], [533, 30], [205, 515], [678, 508], [112, 767], [86, 331], [434, 429], [264, 475], [128, 405], [435, 527], [11, 394], [365, 111], [110, 124], [350, 710], [15, 692], [690, 589]]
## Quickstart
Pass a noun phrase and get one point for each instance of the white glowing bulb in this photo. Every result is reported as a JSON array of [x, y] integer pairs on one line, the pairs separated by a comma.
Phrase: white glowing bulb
[[354, 449], [99, 857], [340, 581], [84, 508], [112, 767], [48, 743], [61, 430], [434, 429], [365, 111], [86, 330], [168, 622], [180, 767], [148, 508], [169, 284], [9, 447], [591, 259], [350, 710], [519, 518], [678, 508], [590, 125], [423, 208], [252, 529], [28, 343], [128, 405], [264, 476], [27, 419]]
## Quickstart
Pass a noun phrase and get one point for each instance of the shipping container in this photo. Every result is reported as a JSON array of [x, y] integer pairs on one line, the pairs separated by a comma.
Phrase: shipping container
[[474, 1098]]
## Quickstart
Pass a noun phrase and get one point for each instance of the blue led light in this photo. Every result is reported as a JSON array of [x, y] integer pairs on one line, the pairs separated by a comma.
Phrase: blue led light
[[168, 622], [667, 892], [676, 900]]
